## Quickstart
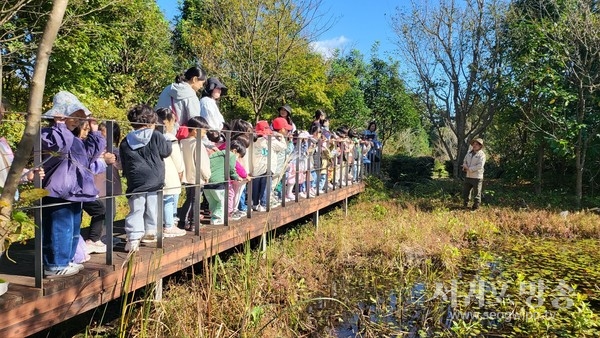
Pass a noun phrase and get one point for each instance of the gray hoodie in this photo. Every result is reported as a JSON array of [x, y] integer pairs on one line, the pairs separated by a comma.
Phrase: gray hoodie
[[181, 98]]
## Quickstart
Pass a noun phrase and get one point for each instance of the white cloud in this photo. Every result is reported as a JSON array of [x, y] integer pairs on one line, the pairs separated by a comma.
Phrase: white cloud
[[327, 47]]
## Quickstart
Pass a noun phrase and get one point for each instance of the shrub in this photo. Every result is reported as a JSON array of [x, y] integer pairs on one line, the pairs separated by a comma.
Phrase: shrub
[[409, 170]]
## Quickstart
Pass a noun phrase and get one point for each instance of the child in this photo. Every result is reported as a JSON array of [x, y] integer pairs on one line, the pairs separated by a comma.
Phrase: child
[[97, 209], [321, 156], [142, 154], [260, 163], [214, 192], [69, 182], [173, 174], [191, 162], [281, 129], [244, 132]]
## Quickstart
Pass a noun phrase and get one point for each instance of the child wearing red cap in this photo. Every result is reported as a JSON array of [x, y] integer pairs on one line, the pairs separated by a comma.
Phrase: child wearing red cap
[[264, 162]]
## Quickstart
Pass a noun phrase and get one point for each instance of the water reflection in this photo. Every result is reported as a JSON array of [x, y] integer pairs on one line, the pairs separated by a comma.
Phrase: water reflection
[[523, 287]]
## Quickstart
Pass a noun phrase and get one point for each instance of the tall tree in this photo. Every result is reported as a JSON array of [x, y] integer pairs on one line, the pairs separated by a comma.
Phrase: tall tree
[[115, 49], [345, 75], [253, 41], [452, 48], [36, 96], [387, 97], [121, 51], [555, 52]]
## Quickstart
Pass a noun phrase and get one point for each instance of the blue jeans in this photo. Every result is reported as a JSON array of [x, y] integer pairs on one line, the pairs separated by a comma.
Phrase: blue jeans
[[259, 187], [170, 209], [60, 232], [322, 180], [242, 206], [142, 217]]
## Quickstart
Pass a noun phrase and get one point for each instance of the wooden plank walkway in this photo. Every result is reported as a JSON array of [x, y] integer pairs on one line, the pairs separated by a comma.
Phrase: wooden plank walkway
[[27, 310]]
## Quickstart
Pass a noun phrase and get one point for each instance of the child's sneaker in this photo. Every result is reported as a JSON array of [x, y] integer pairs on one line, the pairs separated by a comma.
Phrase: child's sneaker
[[133, 245], [77, 265], [149, 238], [260, 208], [173, 232], [66, 272], [94, 247], [236, 215]]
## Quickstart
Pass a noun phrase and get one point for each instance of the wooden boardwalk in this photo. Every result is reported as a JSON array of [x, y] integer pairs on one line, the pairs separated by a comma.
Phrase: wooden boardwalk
[[27, 310]]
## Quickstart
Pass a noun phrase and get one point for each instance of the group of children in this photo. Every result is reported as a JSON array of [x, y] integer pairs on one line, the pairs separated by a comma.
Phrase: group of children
[[191, 151]]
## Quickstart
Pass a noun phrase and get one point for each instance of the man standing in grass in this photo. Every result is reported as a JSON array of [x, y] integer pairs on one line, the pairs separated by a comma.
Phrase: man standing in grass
[[473, 168]]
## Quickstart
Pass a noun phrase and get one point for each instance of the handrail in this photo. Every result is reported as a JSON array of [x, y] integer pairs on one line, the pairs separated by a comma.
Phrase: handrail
[[342, 172]]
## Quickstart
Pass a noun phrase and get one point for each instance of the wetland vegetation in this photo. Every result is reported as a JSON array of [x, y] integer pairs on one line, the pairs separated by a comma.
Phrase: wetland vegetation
[[398, 265]]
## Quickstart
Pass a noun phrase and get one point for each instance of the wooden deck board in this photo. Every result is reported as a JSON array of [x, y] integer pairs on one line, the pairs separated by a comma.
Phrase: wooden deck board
[[26, 310]]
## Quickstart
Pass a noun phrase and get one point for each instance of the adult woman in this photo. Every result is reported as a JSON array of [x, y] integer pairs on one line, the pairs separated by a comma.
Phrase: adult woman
[[209, 109], [181, 96], [285, 111], [370, 133], [319, 119]]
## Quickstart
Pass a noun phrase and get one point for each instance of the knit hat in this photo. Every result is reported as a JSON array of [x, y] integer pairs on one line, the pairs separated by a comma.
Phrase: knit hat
[[65, 104]]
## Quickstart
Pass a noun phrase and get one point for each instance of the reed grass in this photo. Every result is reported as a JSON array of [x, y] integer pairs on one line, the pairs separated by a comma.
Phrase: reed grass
[[387, 236]]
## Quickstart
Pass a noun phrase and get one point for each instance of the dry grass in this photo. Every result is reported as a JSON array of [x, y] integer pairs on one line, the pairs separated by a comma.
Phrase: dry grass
[[276, 294]]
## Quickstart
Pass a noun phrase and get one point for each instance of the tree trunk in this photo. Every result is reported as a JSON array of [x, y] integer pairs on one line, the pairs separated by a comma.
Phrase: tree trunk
[[539, 169], [579, 168], [30, 135]]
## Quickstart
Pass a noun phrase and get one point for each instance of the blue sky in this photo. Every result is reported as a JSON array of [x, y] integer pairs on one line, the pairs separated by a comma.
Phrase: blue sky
[[357, 24]]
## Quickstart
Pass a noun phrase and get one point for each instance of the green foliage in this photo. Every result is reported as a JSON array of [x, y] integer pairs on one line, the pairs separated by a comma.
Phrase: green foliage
[[343, 87], [12, 128], [115, 50], [408, 170], [385, 93], [21, 226], [552, 51]]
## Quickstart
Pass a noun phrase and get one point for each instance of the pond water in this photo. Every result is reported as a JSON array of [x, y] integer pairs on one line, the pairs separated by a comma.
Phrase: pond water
[[523, 287]]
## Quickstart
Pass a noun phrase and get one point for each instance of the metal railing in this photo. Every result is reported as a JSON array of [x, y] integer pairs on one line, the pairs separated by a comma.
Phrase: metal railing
[[339, 161]]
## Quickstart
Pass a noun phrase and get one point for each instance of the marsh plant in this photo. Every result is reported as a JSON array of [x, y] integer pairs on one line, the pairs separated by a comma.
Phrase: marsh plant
[[398, 265]]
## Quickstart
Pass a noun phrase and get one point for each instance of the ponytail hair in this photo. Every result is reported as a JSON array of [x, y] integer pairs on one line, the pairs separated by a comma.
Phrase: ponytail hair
[[165, 114], [190, 74]]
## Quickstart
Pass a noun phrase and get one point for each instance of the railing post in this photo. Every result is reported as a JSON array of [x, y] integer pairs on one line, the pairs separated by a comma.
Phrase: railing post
[[160, 207], [297, 178], [249, 202], [37, 260], [227, 169], [326, 185], [269, 173], [198, 184], [109, 201]]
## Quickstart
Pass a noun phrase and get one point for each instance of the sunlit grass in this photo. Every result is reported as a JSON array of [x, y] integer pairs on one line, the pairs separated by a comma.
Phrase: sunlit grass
[[386, 235]]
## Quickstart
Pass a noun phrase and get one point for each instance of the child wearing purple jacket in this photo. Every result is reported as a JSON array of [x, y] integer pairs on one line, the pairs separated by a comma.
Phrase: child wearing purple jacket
[[69, 182]]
